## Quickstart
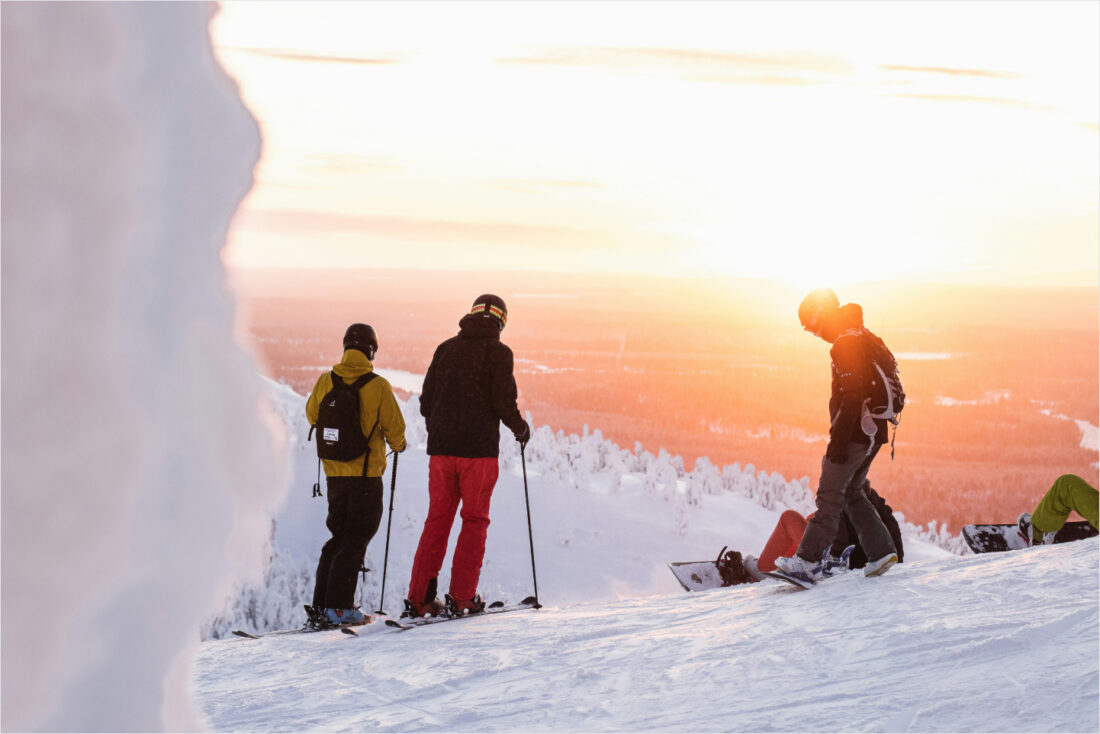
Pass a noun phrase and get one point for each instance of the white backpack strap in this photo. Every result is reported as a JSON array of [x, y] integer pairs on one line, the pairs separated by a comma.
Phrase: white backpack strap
[[889, 390]]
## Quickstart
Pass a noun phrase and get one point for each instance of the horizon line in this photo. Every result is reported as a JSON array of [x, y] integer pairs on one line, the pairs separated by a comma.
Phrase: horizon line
[[927, 280]]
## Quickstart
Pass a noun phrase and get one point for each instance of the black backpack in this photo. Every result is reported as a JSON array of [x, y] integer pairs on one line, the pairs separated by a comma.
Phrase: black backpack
[[339, 431], [887, 397]]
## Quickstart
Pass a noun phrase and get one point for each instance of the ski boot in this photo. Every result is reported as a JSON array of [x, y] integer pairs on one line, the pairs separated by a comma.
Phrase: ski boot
[[459, 608], [1030, 535], [316, 619], [345, 617], [430, 607], [881, 565], [804, 571]]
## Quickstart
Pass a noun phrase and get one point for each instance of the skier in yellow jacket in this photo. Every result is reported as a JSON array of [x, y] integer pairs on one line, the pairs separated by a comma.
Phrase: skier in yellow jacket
[[355, 483]]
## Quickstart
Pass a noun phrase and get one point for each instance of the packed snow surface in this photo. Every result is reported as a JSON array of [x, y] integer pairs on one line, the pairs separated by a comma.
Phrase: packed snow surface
[[943, 642], [1000, 642]]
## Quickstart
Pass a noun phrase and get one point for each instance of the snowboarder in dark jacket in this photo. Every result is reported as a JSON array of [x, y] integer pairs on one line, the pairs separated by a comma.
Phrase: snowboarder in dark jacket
[[854, 440], [468, 391]]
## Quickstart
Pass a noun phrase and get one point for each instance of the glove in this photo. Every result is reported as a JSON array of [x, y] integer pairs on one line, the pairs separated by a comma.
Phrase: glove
[[837, 452], [402, 449], [523, 435]]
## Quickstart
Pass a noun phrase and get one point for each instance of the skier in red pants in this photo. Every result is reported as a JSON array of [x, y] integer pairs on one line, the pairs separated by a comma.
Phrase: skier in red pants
[[468, 391]]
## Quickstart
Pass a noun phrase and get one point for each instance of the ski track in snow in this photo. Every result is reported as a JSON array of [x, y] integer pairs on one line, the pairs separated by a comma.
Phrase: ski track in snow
[[1000, 642]]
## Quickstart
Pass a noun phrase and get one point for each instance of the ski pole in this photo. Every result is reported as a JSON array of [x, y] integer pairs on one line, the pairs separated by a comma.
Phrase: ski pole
[[389, 522], [530, 536]]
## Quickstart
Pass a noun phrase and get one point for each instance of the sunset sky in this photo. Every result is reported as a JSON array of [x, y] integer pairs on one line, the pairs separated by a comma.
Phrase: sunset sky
[[805, 142]]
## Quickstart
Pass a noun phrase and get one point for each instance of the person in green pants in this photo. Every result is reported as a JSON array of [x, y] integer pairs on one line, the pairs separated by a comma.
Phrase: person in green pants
[[1068, 493]]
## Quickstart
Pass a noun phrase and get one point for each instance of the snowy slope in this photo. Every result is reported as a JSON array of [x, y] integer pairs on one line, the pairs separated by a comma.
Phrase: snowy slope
[[1002, 642], [605, 522], [944, 642]]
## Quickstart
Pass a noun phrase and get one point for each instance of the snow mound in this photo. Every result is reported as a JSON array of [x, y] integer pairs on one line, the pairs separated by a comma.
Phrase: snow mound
[[136, 470]]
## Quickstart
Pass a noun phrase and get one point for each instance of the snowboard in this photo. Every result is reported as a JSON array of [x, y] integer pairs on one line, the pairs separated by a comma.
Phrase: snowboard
[[795, 582], [999, 538], [699, 575], [728, 569]]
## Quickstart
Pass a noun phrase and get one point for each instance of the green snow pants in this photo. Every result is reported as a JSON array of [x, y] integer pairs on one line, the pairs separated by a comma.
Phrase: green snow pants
[[1069, 492]]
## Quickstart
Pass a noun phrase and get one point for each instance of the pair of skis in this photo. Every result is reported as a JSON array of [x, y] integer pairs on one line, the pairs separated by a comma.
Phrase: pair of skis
[[346, 629], [497, 607], [406, 623], [316, 626]]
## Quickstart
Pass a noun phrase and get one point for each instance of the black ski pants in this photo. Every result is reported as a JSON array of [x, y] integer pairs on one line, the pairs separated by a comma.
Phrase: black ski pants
[[839, 494], [354, 513]]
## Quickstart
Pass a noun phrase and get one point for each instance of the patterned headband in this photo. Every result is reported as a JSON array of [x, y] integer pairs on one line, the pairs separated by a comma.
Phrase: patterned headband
[[491, 309]]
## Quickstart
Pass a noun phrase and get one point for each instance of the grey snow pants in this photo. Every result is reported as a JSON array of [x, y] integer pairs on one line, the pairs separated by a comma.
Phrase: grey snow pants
[[839, 493]]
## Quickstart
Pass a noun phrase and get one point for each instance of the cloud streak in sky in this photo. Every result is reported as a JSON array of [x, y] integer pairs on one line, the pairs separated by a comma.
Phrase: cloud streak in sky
[[288, 55], [695, 65], [983, 73], [424, 230]]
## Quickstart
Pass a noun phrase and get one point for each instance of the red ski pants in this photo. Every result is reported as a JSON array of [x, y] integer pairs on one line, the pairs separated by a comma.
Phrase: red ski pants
[[453, 480], [784, 540]]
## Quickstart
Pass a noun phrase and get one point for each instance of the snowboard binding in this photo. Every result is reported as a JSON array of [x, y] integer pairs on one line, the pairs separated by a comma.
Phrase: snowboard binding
[[732, 568]]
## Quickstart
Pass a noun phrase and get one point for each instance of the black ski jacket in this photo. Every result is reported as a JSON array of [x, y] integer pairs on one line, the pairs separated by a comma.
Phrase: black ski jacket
[[851, 382], [469, 390]]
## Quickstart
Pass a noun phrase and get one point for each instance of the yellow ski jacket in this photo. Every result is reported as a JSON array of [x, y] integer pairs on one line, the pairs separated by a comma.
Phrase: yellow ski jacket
[[378, 411]]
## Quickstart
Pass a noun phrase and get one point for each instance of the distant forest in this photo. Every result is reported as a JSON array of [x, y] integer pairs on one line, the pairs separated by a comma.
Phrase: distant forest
[[996, 378]]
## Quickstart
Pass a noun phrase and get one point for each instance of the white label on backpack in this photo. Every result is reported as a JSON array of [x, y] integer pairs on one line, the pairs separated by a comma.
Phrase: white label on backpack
[[332, 434]]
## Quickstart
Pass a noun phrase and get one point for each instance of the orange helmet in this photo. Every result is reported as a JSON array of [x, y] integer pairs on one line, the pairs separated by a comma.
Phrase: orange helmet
[[815, 304]]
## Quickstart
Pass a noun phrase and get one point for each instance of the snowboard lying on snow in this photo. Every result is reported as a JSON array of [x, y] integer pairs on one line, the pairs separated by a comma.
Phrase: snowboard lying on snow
[[728, 569], [697, 575], [997, 538]]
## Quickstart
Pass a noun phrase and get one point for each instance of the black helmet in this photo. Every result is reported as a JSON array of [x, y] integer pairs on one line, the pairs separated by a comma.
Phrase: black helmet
[[813, 305], [361, 337], [493, 307]]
